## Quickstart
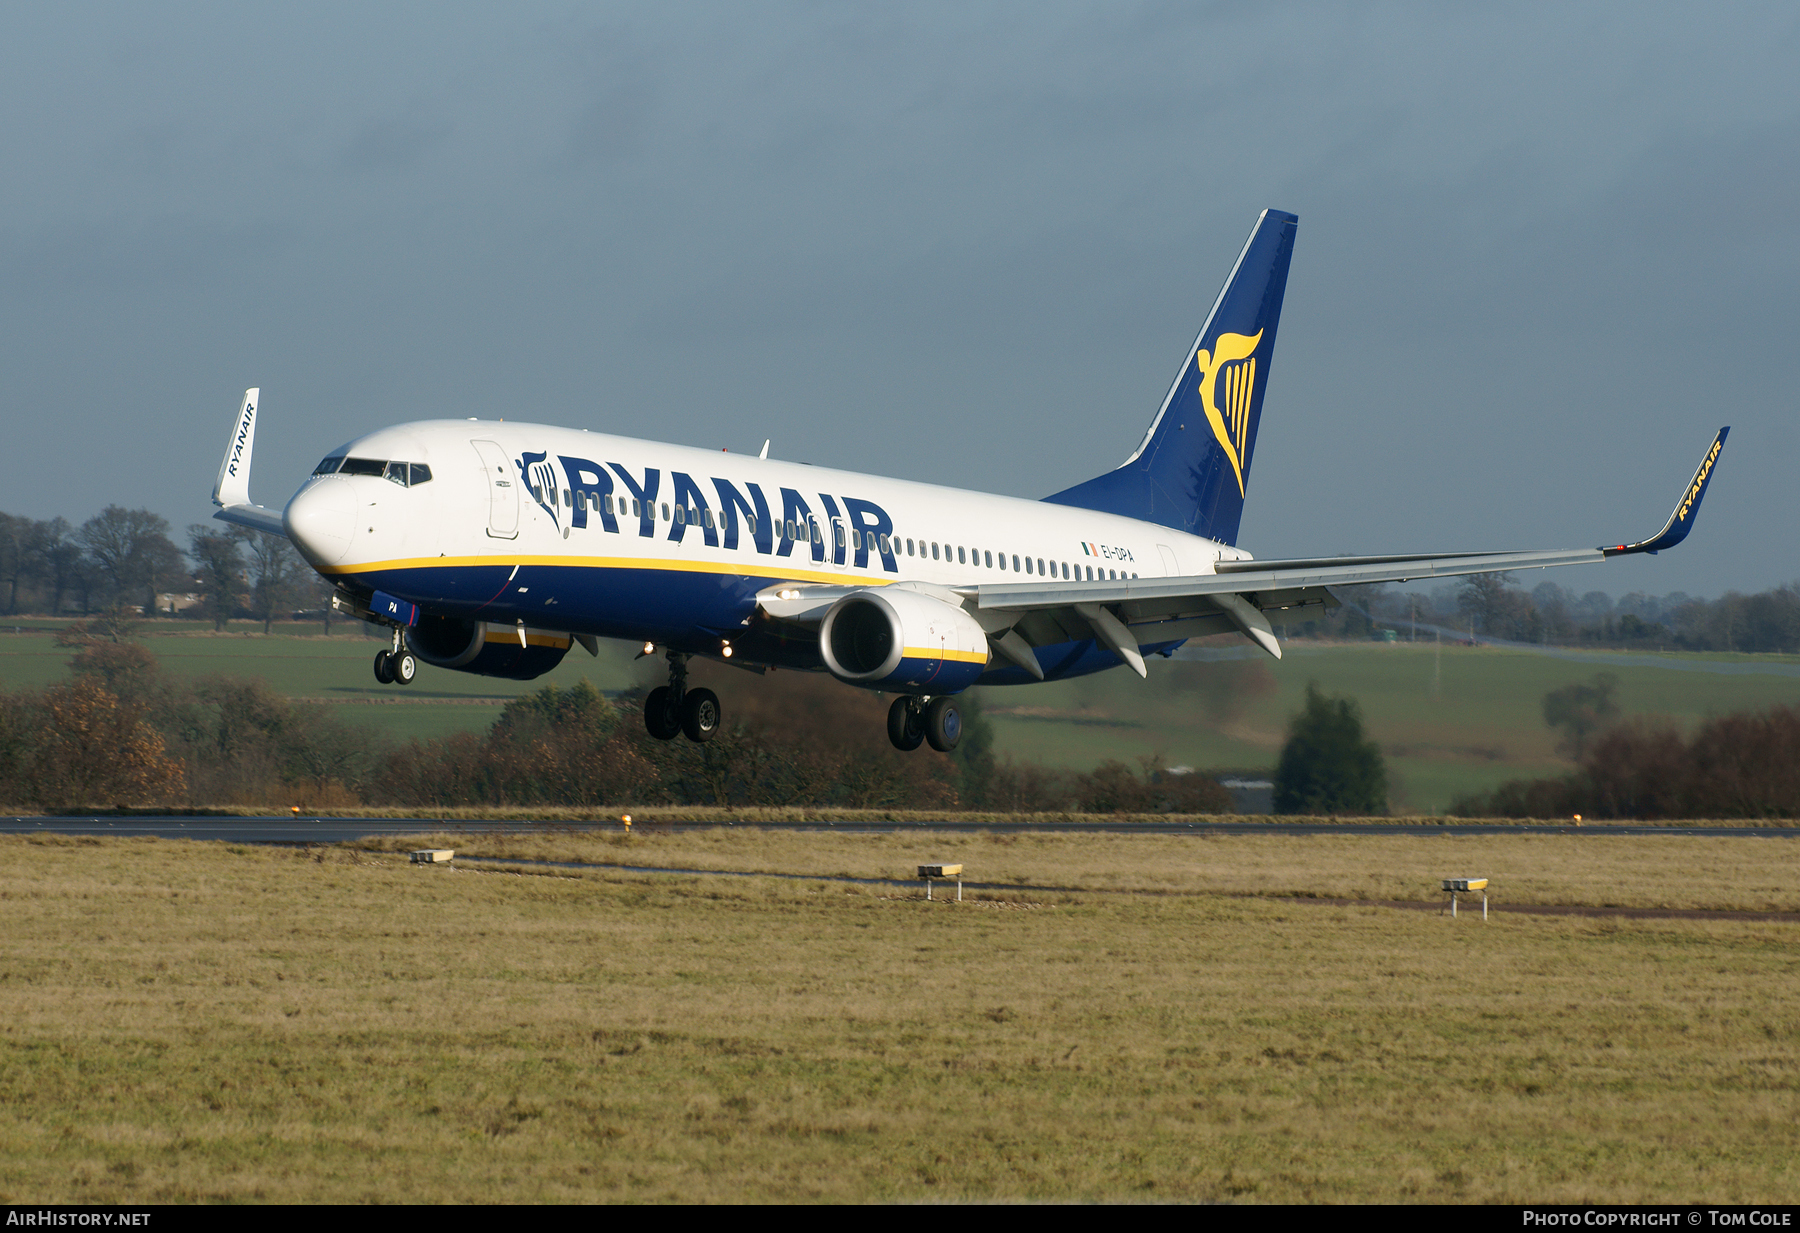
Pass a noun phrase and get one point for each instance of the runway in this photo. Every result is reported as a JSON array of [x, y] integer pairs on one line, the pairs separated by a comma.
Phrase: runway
[[304, 830]]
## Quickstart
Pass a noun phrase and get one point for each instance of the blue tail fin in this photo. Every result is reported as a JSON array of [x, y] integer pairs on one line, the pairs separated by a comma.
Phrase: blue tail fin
[[1192, 470]]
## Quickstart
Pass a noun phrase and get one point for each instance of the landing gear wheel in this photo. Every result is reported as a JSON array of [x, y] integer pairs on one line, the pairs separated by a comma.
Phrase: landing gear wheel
[[943, 724], [906, 728], [384, 668], [700, 715], [660, 719], [403, 666]]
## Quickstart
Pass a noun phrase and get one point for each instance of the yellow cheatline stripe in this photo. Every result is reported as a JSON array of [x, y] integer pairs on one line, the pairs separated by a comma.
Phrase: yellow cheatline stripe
[[504, 635], [747, 570], [932, 652]]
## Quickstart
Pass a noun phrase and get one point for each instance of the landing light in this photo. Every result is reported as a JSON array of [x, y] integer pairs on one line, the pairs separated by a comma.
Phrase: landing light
[[787, 594], [649, 648]]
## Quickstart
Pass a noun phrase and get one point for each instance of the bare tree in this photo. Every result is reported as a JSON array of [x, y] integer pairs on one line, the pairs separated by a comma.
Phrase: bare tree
[[220, 567], [15, 555], [1487, 600], [56, 560], [132, 547], [160, 563], [275, 571]]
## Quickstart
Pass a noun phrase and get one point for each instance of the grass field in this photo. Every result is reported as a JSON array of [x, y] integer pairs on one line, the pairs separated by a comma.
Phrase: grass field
[[1450, 721], [334, 669], [202, 1022]]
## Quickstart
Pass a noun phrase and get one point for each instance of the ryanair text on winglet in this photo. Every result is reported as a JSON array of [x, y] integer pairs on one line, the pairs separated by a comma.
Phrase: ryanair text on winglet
[[1693, 492]]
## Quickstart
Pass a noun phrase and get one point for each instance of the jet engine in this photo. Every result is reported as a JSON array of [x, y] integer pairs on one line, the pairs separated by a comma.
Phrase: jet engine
[[902, 640], [487, 648]]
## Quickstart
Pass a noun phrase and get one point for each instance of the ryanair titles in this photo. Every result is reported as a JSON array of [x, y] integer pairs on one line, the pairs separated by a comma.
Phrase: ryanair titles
[[851, 533], [1692, 497]]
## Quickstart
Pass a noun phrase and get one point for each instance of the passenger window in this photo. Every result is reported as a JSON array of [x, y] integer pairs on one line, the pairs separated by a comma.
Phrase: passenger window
[[960, 559], [637, 508], [1003, 560], [909, 547], [1040, 562], [934, 550], [1015, 562], [990, 559], [665, 511]]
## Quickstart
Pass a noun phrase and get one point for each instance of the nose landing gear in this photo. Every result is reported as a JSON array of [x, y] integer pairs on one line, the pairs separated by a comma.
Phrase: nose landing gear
[[674, 709]]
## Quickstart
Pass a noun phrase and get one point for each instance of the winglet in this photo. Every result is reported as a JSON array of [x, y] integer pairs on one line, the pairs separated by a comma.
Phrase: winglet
[[1686, 510], [233, 484]]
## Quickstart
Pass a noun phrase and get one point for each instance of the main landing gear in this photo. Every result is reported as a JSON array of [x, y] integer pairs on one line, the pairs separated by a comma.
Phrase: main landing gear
[[674, 709], [913, 721], [397, 665]]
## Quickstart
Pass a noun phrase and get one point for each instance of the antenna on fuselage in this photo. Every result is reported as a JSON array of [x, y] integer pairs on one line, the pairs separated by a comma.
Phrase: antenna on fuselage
[[765, 448]]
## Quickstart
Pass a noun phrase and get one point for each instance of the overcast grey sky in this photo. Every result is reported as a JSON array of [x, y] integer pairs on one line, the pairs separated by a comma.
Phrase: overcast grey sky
[[1544, 250]]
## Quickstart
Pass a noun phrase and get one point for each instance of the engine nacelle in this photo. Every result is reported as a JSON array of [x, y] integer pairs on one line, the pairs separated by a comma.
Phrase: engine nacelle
[[487, 648], [902, 640]]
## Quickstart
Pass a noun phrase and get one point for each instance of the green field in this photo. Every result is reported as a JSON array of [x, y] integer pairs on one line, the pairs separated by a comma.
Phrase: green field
[[1454, 721], [333, 669], [192, 1022], [1451, 721]]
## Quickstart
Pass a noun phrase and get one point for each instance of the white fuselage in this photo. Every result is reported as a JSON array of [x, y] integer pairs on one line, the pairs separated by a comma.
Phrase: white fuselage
[[536, 500]]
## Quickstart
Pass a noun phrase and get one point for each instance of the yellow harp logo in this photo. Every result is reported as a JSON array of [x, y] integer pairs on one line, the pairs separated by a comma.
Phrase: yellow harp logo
[[1229, 370]]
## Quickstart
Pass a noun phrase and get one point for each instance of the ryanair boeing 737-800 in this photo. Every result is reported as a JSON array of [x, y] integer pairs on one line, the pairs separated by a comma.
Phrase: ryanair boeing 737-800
[[492, 546]]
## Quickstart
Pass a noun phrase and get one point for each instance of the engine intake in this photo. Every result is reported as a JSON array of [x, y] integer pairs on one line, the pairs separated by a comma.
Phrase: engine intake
[[895, 639]]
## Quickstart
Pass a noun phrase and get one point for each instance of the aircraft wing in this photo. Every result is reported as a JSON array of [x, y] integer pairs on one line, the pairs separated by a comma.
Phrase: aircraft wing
[[257, 517], [1127, 614]]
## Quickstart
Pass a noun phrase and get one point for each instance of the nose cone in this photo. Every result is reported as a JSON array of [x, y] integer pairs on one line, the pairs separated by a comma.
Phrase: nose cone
[[321, 521]]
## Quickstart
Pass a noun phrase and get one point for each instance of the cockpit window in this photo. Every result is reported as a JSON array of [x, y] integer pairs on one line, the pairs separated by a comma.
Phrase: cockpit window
[[405, 474]]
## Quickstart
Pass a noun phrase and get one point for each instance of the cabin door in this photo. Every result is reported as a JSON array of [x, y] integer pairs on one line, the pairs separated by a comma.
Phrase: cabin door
[[503, 491]]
